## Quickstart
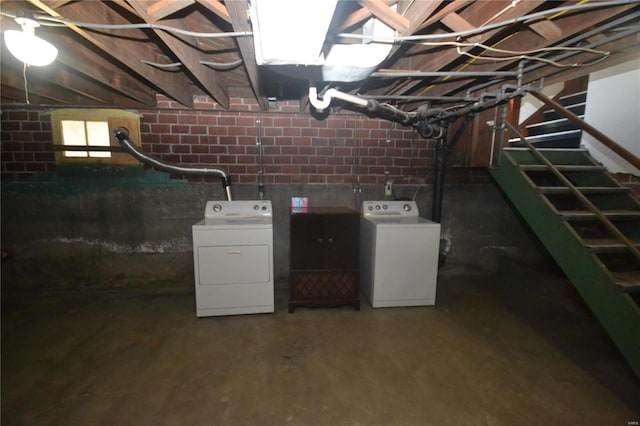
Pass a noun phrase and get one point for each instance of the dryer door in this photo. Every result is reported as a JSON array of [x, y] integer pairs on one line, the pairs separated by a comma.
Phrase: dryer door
[[242, 264]]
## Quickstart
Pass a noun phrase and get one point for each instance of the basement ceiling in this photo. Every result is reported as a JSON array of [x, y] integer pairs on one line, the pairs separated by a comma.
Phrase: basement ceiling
[[122, 53]]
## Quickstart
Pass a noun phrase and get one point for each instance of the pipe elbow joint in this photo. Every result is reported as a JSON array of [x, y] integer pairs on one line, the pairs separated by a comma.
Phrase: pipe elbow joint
[[319, 105], [121, 133]]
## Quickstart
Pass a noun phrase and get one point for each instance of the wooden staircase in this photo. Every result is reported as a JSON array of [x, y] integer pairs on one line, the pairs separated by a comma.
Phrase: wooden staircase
[[551, 129], [589, 223]]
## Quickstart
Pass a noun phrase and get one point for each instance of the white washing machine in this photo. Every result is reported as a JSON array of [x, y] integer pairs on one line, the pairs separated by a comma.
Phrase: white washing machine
[[233, 258], [398, 254]]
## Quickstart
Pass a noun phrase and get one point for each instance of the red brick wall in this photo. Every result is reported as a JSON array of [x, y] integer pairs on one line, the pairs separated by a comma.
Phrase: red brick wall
[[298, 147], [26, 143]]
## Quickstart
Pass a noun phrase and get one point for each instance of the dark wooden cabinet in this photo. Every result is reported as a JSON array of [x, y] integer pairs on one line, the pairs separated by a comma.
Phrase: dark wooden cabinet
[[324, 258]]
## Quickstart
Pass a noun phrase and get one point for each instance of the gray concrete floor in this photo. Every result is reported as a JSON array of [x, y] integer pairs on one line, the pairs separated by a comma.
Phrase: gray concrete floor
[[505, 348]]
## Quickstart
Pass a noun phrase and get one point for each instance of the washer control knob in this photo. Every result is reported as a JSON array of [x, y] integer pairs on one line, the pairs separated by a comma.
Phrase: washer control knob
[[256, 207], [377, 206], [385, 207], [406, 207], [217, 208], [370, 208], [264, 207]]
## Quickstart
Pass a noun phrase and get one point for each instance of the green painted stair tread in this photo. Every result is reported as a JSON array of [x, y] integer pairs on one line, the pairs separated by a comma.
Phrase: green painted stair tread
[[588, 215], [555, 156], [585, 189], [563, 167], [607, 245], [543, 150], [628, 281], [613, 297]]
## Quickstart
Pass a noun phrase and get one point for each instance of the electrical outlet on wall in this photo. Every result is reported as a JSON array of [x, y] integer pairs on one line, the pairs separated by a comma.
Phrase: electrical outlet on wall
[[388, 188]]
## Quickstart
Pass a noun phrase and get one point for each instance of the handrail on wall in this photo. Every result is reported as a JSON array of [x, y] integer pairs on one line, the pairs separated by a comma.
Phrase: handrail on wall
[[626, 155]]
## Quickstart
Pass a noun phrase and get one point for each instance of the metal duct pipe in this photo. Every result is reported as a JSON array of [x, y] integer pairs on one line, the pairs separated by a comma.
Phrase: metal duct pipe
[[122, 134]]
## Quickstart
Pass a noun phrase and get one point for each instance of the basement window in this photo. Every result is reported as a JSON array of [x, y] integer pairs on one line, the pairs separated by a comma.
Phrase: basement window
[[85, 129]]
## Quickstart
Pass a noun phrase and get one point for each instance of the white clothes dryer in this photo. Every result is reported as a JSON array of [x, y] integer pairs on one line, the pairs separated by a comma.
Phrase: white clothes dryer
[[233, 258]]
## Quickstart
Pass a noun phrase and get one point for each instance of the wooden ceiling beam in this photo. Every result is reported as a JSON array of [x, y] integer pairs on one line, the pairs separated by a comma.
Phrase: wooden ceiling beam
[[44, 88], [452, 7], [218, 8], [61, 78], [626, 49], [360, 15], [418, 13], [59, 3], [126, 6], [164, 8], [456, 22], [95, 67], [13, 94], [524, 40], [547, 30], [444, 59], [240, 22], [206, 78], [128, 53], [384, 13]]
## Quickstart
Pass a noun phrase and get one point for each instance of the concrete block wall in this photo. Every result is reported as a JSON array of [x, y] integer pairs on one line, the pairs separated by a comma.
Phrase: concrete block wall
[[48, 214]]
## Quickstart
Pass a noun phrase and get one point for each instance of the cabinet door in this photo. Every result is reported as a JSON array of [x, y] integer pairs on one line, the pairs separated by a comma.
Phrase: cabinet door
[[307, 244], [342, 238]]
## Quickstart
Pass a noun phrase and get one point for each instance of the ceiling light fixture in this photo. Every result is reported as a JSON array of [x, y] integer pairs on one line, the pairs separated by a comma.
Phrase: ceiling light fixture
[[27, 47]]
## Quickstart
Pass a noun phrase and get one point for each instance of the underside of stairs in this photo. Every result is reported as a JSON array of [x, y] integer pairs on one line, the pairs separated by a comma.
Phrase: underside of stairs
[[589, 223]]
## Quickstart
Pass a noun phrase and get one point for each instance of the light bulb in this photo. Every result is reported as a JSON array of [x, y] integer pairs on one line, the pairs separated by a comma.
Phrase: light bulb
[[27, 47]]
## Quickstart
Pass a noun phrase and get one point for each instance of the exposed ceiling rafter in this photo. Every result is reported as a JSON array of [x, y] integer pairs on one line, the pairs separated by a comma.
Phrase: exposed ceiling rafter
[[123, 53], [205, 77]]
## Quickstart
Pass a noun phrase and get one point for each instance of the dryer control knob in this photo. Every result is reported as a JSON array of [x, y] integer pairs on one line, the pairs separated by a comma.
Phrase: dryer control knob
[[370, 208], [256, 207], [406, 207], [217, 208], [377, 206]]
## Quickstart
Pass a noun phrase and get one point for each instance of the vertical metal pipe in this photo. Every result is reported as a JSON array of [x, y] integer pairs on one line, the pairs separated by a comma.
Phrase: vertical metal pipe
[[261, 191], [438, 184], [442, 151], [503, 133]]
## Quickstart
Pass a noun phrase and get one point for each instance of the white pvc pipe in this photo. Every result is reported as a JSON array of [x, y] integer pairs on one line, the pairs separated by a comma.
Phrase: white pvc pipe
[[321, 105]]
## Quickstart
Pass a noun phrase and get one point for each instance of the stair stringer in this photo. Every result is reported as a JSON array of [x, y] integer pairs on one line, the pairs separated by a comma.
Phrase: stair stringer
[[617, 312]]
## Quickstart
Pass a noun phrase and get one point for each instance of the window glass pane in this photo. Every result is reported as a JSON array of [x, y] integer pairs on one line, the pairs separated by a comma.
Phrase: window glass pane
[[98, 135], [73, 134]]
